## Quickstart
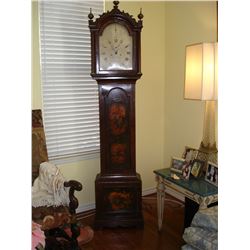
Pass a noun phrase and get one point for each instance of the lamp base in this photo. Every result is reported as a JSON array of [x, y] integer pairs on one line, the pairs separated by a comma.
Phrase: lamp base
[[207, 148], [208, 153]]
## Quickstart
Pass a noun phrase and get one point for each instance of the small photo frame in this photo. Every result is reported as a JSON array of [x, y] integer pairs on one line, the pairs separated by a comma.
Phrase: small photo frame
[[197, 166], [190, 154], [177, 164], [186, 170], [212, 173]]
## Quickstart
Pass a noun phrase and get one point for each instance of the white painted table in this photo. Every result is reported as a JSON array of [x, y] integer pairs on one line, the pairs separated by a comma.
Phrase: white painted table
[[197, 190]]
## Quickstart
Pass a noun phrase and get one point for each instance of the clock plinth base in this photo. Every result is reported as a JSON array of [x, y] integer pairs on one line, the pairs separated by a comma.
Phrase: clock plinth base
[[118, 202]]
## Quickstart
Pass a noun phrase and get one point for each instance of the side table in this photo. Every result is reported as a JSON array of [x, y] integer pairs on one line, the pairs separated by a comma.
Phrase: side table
[[197, 190]]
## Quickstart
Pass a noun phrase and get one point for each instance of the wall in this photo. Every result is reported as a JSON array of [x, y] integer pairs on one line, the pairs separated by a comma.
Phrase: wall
[[165, 122], [149, 90], [36, 77], [186, 23], [149, 101]]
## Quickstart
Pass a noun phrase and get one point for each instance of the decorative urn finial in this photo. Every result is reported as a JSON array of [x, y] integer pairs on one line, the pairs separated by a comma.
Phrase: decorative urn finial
[[140, 15], [115, 4], [90, 16]]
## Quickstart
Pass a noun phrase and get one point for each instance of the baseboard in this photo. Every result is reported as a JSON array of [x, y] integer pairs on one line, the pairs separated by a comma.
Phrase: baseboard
[[148, 191], [83, 208], [175, 194]]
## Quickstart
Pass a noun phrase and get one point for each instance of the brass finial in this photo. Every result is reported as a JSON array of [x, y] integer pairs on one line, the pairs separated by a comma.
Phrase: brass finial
[[116, 4], [90, 16], [140, 16]]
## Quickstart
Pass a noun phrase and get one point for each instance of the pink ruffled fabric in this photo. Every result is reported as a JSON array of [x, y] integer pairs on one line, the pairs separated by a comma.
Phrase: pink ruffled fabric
[[37, 236]]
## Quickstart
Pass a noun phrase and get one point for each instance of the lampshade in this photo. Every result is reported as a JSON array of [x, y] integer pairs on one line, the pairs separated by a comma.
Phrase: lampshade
[[201, 71]]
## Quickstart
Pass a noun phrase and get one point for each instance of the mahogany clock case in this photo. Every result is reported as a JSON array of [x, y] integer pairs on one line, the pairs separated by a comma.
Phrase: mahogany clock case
[[118, 186]]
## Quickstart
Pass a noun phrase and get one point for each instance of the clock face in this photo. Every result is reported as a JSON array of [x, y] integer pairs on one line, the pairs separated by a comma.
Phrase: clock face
[[115, 47]]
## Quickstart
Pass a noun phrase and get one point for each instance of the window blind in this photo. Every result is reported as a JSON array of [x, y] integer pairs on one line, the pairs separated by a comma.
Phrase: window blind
[[70, 95]]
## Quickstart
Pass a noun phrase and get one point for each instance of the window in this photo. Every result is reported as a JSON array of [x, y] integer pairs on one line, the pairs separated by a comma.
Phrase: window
[[70, 95]]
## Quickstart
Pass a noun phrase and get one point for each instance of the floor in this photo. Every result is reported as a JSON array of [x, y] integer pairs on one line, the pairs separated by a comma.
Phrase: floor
[[148, 238]]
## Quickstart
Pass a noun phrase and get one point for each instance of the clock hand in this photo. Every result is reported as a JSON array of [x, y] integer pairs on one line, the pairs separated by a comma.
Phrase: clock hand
[[111, 45]]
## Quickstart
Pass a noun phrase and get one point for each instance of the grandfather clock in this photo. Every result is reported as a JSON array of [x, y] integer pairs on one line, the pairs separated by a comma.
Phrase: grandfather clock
[[115, 55]]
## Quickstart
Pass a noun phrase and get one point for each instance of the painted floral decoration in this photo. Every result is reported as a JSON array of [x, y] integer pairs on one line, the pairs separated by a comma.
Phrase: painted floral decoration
[[120, 200]]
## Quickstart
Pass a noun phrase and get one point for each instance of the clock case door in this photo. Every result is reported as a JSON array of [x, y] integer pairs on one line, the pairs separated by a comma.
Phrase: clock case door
[[118, 187], [117, 128]]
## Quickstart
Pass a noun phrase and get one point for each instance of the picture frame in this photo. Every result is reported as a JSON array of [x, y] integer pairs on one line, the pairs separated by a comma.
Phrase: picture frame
[[212, 173], [186, 170], [190, 153], [177, 164], [197, 167]]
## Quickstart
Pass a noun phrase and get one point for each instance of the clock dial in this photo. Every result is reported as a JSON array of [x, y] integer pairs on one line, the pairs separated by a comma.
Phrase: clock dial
[[115, 48]]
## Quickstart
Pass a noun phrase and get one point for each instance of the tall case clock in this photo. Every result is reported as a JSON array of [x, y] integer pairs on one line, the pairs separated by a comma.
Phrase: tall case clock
[[115, 65]]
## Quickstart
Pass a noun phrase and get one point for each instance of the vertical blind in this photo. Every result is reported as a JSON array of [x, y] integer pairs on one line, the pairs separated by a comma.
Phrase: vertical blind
[[70, 95]]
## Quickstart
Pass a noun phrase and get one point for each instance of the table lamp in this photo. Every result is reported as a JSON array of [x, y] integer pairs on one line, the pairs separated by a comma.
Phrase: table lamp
[[201, 84]]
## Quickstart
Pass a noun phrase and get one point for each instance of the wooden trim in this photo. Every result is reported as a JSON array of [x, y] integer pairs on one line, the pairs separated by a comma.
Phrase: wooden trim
[[84, 214]]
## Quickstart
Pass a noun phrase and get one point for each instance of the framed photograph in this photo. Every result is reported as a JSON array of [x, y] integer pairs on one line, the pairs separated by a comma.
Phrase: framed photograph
[[212, 173], [190, 154], [186, 170], [177, 164], [197, 167]]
